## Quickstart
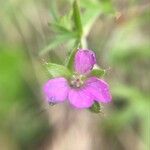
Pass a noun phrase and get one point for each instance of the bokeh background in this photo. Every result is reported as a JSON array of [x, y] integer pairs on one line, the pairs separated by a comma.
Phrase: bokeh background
[[118, 31]]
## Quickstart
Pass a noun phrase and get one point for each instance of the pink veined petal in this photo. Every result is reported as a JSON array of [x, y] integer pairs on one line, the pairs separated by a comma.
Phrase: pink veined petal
[[84, 61], [99, 89], [80, 98], [56, 90]]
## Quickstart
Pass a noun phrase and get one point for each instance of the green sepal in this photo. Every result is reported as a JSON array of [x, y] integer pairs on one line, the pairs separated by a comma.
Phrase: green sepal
[[98, 72], [70, 59], [95, 108]]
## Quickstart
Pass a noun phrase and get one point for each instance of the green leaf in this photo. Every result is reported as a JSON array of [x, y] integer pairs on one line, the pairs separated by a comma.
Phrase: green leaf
[[77, 18], [88, 4], [54, 11], [98, 72], [96, 108], [58, 40], [56, 70], [51, 46], [89, 18], [66, 20], [58, 28], [107, 7]]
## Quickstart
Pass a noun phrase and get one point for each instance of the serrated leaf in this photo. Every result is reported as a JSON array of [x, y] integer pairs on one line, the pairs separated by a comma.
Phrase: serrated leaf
[[96, 108], [98, 72], [56, 70]]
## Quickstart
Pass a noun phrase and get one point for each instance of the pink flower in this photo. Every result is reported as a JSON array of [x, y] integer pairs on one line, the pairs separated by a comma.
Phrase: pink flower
[[81, 90]]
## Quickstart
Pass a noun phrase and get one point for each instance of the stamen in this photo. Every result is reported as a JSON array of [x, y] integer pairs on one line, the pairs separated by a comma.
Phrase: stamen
[[77, 80]]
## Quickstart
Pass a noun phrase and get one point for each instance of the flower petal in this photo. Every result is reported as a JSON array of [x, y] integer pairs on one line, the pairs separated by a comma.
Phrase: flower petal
[[56, 90], [84, 61], [99, 89], [80, 98]]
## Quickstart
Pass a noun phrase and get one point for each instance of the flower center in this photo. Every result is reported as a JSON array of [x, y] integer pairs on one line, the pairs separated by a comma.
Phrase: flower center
[[77, 80]]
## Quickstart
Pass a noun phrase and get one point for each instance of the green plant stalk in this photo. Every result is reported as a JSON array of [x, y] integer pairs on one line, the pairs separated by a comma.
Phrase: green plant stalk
[[79, 29], [70, 60], [77, 19], [81, 41]]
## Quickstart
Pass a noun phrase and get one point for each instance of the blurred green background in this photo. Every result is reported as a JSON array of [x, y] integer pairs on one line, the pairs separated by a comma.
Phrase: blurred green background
[[118, 31]]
